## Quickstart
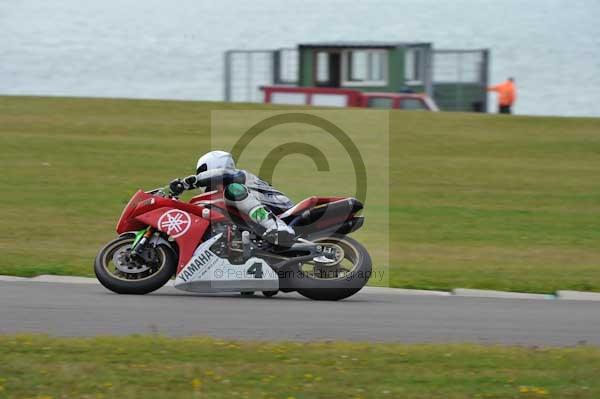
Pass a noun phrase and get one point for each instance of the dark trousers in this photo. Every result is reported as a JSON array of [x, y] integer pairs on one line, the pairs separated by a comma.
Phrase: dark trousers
[[504, 109]]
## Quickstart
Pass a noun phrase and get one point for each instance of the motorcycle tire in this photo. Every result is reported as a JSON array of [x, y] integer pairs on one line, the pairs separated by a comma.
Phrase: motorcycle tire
[[338, 288], [134, 286]]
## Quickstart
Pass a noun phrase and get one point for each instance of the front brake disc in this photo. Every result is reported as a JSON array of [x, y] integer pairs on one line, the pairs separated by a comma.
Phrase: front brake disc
[[125, 264]]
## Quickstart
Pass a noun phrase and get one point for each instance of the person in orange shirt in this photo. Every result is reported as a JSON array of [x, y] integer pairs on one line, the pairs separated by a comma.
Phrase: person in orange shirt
[[507, 95]]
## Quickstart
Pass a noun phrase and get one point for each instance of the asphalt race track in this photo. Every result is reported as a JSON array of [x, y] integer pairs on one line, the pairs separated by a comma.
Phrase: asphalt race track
[[89, 309]]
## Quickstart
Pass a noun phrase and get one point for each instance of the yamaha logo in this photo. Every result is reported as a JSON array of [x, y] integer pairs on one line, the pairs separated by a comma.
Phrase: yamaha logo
[[196, 265], [175, 222]]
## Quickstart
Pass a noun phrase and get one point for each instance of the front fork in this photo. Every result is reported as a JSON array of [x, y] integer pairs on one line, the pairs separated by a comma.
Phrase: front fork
[[141, 238]]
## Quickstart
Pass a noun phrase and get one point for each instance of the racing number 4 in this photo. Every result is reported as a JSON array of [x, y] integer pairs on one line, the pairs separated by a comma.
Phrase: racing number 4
[[256, 269]]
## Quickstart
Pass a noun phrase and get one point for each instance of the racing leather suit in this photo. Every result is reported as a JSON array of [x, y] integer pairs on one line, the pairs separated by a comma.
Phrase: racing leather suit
[[254, 198]]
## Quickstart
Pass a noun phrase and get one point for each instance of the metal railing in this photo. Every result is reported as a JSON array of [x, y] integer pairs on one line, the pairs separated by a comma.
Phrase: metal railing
[[246, 71], [460, 79]]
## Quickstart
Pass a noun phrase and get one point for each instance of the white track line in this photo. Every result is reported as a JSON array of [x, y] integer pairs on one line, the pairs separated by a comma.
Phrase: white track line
[[13, 278], [403, 291], [460, 292], [499, 294], [578, 295], [45, 278]]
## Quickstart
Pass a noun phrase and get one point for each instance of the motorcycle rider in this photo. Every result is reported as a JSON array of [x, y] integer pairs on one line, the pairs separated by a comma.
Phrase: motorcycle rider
[[255, 199]]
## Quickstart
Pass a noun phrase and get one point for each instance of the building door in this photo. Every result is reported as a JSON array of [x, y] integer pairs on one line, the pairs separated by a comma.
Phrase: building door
[[328, 69]]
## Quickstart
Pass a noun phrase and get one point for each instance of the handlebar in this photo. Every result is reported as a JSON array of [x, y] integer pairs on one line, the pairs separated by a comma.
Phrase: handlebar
[[162, 192]]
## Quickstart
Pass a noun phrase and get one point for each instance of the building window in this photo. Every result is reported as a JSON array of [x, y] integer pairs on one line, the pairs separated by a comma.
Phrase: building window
[[365, 67], [412, 103], [414, 65], [381, 102], [322, 67]]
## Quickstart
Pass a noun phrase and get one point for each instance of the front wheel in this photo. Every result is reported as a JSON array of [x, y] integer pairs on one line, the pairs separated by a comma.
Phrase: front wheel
[[339, 279], [118, 271]]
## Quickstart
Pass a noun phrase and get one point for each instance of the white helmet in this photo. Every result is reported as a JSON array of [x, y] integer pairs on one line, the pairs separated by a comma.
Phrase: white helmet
[[215, 160]]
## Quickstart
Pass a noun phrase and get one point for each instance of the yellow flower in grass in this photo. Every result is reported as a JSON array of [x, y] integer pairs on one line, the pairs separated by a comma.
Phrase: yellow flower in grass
[[535, 390], [196, 383]]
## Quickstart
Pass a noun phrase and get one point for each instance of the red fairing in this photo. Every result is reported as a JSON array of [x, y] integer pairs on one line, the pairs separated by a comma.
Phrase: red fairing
[[126, 223], [180, 220], [214, 198], [210, 196], [187, 228]]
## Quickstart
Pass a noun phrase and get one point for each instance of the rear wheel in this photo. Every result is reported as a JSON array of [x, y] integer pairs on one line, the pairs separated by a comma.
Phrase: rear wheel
[[122, 273], [326, 280]]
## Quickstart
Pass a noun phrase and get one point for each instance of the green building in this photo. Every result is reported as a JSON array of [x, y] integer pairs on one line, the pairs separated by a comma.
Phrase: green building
[[456, 79], [397, 67]]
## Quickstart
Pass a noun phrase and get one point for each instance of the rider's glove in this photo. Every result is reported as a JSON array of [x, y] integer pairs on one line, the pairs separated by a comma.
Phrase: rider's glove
[[176, 187], [191, 182]]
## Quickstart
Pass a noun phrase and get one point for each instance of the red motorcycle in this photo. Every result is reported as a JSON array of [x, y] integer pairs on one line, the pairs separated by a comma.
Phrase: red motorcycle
[[207, 246]]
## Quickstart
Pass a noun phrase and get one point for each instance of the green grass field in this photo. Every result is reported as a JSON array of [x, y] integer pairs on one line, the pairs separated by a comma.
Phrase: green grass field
[[482, 201], [155, 367]]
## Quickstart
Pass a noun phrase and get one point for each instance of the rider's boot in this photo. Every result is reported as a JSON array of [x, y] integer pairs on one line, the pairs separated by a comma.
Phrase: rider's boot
[[261, 219]]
